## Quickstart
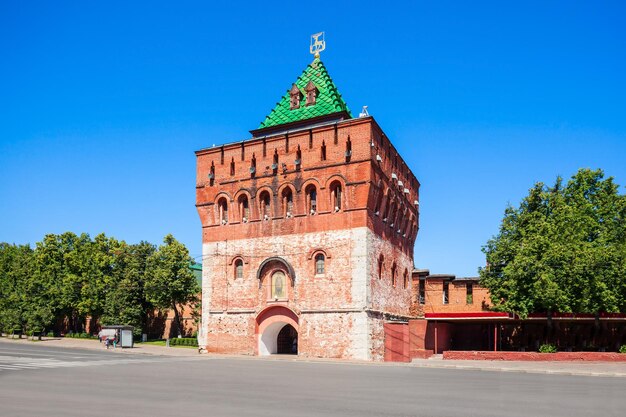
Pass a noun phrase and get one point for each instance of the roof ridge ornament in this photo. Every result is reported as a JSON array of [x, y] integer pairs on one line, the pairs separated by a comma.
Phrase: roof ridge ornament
[[318, 44], [324, 102]]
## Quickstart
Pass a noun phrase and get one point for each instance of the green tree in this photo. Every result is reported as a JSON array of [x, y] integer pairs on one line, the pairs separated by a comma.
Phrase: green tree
[[97, 279], [169, 281], [74, 272], [48, 286], [16, 269], [65, 268], [126, 301], [563, 249]]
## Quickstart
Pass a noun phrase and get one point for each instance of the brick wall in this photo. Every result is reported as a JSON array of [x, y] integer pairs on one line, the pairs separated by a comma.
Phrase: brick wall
[[367, 184], [458, 301], [342, 311], [333, 307]]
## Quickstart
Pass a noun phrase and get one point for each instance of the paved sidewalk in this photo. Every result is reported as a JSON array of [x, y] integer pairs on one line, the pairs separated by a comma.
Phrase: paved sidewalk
[[138, 349], [607, 369]]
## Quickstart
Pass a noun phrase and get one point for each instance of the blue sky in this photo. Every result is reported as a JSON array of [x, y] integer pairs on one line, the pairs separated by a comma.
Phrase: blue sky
[[102, 105]]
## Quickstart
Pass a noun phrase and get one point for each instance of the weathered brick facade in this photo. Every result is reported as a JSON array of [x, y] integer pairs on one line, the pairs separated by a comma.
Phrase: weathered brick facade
[[447, 294], [327, 205], [439, 301], [456, 314]]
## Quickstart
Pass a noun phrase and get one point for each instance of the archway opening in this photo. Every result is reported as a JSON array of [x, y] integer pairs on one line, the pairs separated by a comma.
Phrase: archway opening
[[279, 337], [287, 341], [277, 331]]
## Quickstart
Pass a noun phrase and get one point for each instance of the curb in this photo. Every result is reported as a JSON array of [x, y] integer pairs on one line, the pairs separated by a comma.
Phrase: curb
[[524, 371]]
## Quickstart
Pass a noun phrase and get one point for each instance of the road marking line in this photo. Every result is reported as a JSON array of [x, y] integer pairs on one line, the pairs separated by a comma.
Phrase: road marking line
[[16, 363], [49, 352]]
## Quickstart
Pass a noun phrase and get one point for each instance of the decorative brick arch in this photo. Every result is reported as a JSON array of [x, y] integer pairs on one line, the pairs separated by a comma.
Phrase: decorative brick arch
[[335, 184], [280, 198], [271, 190], [377, 195], [223, 194], [315, 251], [243, 191], [238, 256], [221, 211], [388, 199], [270, 263], [336, 177], [269, 323], [286, 185], [240, 196], [313, 181]]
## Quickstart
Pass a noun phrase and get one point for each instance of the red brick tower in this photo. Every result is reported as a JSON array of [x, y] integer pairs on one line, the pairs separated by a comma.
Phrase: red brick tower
[[308, 231]]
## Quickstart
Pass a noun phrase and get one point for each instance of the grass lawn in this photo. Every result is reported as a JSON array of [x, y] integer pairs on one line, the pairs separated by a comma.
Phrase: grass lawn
[[152, 342], [162, 343]]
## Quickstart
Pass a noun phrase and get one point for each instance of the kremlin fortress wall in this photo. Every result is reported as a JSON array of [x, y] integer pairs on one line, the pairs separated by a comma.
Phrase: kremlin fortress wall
[[308, 232]]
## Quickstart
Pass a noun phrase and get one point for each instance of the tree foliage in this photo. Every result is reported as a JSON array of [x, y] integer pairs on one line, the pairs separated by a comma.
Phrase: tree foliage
[[562, 250], [16, 266], [68, 277], [170, 282], [126, 302]]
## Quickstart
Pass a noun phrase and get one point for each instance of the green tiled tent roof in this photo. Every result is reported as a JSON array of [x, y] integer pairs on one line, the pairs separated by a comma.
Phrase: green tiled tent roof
[[328, 100]]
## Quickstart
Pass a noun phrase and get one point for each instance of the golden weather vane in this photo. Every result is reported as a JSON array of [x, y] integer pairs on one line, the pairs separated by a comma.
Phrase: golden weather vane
[[317, 44]]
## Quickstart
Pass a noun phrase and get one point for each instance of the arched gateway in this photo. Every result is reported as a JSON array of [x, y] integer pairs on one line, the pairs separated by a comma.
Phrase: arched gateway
[[277, 331]]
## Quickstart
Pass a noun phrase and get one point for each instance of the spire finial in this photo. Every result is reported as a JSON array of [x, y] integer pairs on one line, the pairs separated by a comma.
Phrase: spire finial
[[317, 44]]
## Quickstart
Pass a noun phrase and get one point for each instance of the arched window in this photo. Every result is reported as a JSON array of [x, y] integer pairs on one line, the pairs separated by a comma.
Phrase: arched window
[[238, 269], [381, 262], [388, 203], [392, 214], [265, 205], [406, 223], [222, 205], [244, 208], [379, 202], [393, 274], [400, 220], [405, 279], [279, 285], [319, 264], [287, 202], [335, 195], [311, 199]]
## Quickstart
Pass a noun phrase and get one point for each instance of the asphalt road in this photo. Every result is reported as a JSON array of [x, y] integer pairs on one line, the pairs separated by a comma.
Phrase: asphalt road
[[40, 381]]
